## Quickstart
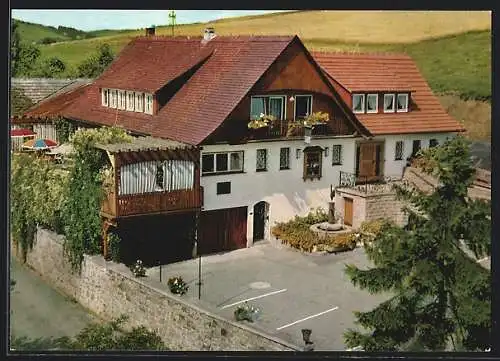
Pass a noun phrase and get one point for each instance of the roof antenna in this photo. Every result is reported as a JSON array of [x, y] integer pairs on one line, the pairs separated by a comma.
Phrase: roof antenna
[[172, 17]]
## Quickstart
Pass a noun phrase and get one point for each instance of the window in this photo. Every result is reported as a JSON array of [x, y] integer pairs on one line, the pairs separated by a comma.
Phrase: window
[[303, 106], [139, 102], [224, 188], [105, 97], [433, 143], [312, 163], [277, 107], [261, 160], [284, 158], [149, 104], [223, 162], [159, 176], [398, 152], [415, 148], [372, 103], [402, 103], [257, 107], [114, 98], [130, 101], [207, 163], [388, 103], [337, 154], [122, 100], [358, 103]]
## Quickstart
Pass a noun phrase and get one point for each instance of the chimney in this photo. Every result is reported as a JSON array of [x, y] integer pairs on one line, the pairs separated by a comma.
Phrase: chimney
[[209, 34], [150, 31]]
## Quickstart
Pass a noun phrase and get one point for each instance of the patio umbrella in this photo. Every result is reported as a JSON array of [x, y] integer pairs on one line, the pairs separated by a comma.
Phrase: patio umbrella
[[21, 133], [39, 144], [63, 149]]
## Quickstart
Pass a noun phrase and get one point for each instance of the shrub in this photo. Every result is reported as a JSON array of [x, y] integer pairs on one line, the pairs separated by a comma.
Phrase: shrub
[[246, 312], [177, 285], [344, 240], [372, 227]]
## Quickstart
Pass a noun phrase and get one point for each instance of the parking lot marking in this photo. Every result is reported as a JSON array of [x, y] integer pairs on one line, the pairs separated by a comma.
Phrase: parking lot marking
[[307, 318], [254, 298]]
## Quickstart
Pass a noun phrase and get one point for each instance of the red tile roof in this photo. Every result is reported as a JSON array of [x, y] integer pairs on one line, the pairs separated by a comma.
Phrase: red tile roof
[[427, 115], [233, 66]]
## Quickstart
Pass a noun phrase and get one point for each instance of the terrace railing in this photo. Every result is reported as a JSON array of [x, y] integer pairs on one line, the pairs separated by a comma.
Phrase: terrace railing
[[367, 184]]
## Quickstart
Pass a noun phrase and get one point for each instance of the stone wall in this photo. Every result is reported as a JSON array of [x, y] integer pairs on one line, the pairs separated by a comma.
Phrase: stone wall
[[371, 206], [109, 290]]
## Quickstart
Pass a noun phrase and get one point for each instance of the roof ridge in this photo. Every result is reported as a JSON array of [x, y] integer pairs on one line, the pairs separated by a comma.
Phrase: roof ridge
[[362, 53], [250, 37]]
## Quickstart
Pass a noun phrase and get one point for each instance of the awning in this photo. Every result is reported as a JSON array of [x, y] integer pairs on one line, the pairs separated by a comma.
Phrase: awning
[[21, 133]]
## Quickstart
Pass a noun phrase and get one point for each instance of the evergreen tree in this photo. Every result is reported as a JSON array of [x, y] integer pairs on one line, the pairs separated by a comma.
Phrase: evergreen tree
[[440, 296], [96, 63]]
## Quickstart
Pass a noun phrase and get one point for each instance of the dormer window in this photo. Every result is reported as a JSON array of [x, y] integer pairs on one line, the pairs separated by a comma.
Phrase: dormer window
[[139, 102], [402, 103], [114, 98], [148, 106], [358, 103], [122, 100], [130, 101], [389, 103], [105, 97], [372, 103]]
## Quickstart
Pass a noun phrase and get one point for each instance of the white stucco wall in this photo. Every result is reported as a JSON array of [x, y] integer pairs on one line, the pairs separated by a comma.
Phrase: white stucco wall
[[395, 167], [285, 190]]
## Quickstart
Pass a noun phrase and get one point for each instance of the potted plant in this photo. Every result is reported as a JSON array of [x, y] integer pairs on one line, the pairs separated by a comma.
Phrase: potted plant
[[138, 269], [177, 285], [246, 312], [308, 123]]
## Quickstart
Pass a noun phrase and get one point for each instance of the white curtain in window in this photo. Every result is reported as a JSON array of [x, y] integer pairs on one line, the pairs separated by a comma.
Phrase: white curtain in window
[[358, 102], [257, 108], [137, 178], [276, 107], [388, 102], [179, 174], [371, 103]]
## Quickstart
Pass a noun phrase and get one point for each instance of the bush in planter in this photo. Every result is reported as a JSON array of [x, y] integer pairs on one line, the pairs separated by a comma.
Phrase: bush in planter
[[344, 241], [246, 312], [177, 285], [138, 269], [372, 227]]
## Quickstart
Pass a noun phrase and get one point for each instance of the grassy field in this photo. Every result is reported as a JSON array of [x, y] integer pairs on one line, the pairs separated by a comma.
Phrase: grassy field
[[32, 33]]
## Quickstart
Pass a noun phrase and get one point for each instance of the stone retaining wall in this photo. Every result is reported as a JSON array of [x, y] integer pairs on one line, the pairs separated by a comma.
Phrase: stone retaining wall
[[109, 290]]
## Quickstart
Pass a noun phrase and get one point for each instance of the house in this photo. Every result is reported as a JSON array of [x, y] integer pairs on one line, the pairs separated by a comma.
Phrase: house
[[194, 97]]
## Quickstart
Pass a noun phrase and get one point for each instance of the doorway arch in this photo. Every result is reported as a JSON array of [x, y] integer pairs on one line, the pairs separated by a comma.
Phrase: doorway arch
[[260, 221]]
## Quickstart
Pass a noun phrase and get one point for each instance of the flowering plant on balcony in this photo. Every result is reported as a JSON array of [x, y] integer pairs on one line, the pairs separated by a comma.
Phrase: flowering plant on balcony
[[264, 120], [177, 285], [294, 128]]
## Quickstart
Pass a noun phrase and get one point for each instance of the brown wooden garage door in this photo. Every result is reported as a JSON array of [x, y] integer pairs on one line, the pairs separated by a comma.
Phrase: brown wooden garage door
[[222, 230]]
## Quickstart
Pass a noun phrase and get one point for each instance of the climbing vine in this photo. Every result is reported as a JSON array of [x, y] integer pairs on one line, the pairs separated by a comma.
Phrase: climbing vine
[[64, 129], [85, 192]]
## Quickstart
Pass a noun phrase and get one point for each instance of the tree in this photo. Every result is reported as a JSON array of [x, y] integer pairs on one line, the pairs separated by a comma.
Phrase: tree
[[97, 337], [14, 47], [440, 295], [27, 60], [96, 63], [51, 67]]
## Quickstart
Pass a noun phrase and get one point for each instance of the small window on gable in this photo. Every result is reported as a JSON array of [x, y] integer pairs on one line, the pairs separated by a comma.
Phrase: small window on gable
[[389, 103], [358, 103], [139, 102], [372, 103], [337, 154], [398, 152], [257, 107], [105, 97], [402, 105], [148, 106], [303, 106], [130, 101]]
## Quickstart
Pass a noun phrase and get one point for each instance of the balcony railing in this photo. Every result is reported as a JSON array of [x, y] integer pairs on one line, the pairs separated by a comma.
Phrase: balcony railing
[[367, 184], [281, 129], [157, 202]]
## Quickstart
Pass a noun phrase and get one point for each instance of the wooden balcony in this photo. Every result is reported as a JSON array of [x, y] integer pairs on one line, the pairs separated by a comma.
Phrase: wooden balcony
[[152, 203], [281, 129]]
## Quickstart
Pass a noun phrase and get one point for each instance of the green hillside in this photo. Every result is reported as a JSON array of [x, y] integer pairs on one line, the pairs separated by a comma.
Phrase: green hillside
[[31, 33]]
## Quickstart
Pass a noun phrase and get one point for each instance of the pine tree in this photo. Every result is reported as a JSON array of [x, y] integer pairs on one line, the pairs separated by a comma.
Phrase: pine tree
[[439, 295]]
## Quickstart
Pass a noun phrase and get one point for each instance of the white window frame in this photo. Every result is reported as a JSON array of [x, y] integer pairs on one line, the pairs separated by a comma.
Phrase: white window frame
[[376, 103], [283, 105], [363, 103], [148, 103], [251, 100], [114, 98], [105, 97], [229, 170], [405, 109], [393, 103], [122, 100], [130, 107], [295, 104], [139, 102]]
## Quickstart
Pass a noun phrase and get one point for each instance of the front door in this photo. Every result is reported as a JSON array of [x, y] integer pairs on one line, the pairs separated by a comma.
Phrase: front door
[[260, 211], [348, 211], [369, 161]]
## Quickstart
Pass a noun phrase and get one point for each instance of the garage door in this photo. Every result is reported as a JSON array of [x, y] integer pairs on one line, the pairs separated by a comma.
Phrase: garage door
[[222, 230]]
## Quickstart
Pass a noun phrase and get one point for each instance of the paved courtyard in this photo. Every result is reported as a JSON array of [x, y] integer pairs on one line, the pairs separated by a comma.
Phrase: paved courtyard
[[293, 290]]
